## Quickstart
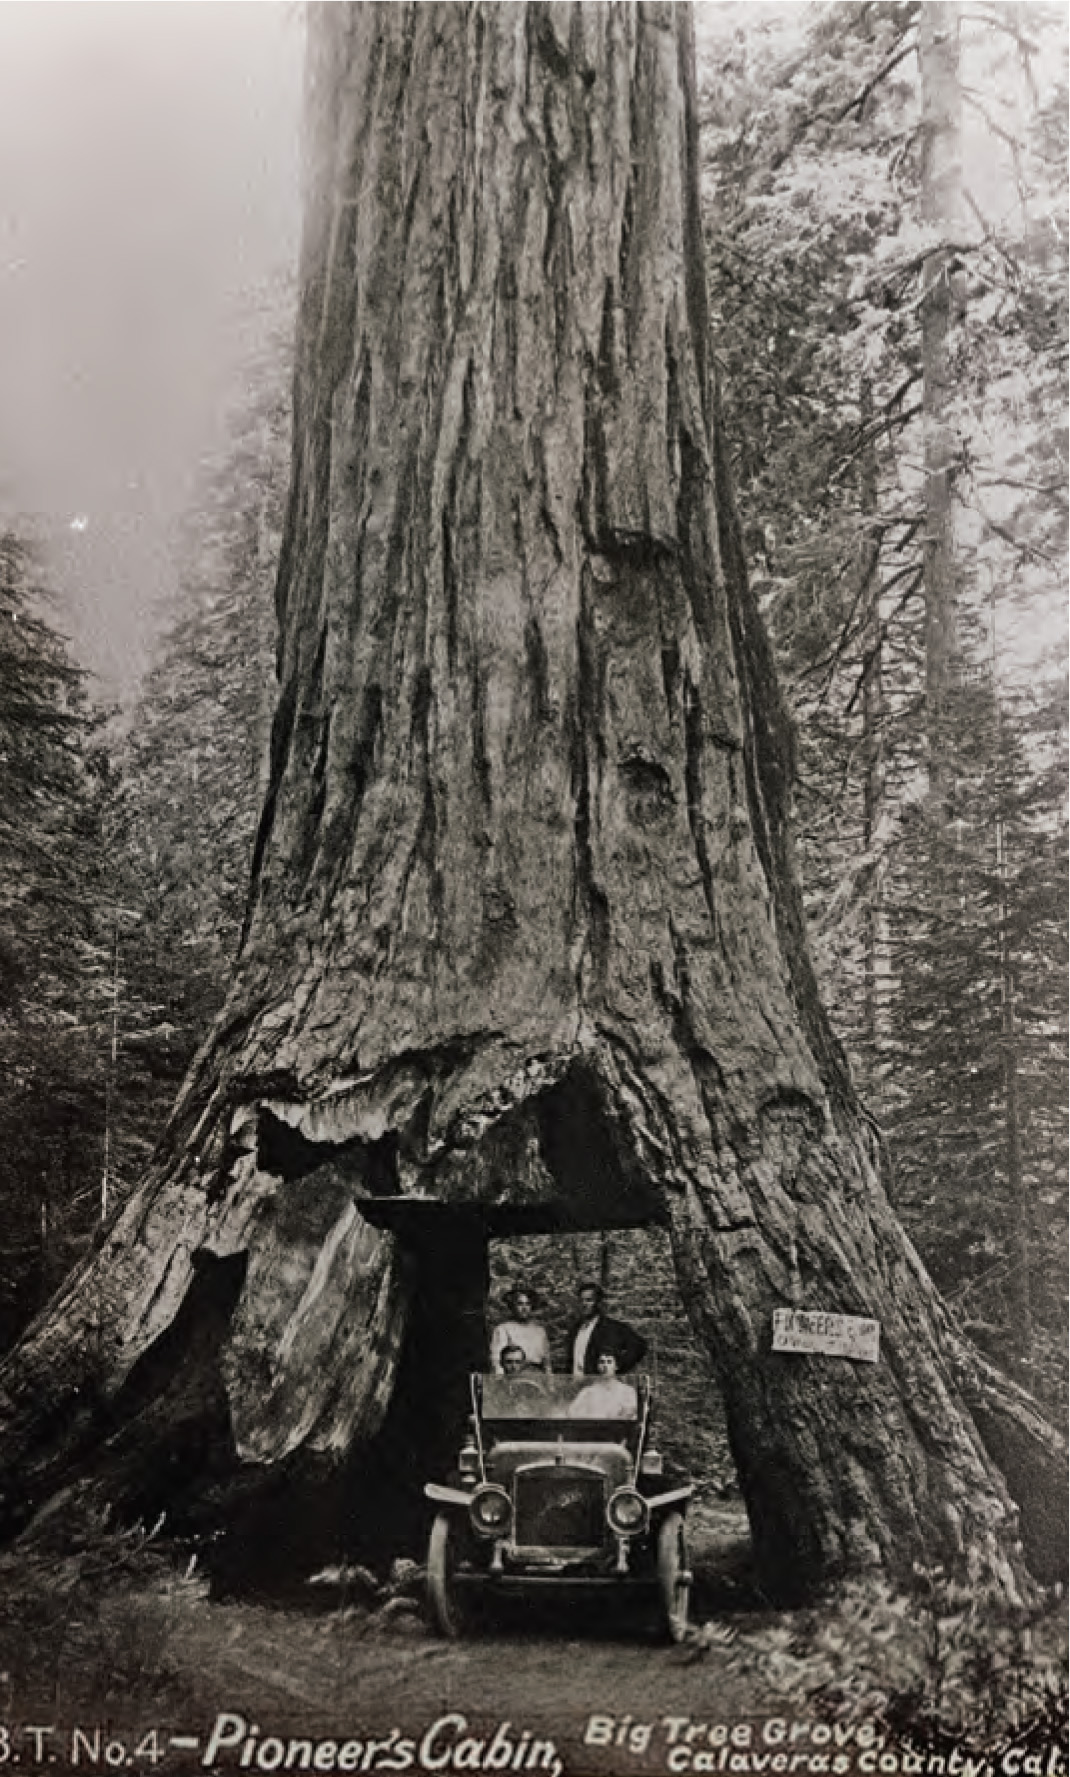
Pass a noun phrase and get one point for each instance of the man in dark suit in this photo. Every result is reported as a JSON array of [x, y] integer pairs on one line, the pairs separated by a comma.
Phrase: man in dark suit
[[595, 1332]]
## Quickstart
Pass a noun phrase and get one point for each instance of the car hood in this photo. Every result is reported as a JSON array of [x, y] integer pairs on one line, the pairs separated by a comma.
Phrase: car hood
[[506, 1457]]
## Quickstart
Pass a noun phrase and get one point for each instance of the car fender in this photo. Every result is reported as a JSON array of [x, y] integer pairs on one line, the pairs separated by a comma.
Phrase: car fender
[[447, 1496], [676, 1496]]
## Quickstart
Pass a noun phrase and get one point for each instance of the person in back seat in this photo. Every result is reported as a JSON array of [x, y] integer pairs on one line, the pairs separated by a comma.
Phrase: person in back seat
[[596, 1332], [521, 1329]]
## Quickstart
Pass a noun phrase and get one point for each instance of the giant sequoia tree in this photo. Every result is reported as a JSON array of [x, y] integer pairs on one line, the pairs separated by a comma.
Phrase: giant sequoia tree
[[523, 947]]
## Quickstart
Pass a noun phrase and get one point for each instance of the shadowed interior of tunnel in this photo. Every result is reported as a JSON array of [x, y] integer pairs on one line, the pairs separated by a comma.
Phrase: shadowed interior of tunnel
[[287, 1153], [561, 1161], [599, 1182], [161, 1450]]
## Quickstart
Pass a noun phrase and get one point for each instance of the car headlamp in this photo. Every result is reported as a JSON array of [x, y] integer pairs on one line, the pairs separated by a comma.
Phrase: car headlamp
[[626, 1512], [491, 1511]]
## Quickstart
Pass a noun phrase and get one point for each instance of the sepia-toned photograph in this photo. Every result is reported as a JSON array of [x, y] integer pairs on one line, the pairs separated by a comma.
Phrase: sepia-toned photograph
[[534, 887]]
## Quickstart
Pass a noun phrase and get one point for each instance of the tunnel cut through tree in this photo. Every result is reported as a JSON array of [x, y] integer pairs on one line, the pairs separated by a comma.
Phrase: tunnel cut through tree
[[524, 946]]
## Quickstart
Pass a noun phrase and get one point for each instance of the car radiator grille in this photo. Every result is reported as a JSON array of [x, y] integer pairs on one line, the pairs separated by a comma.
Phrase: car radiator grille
[[560, 1508]]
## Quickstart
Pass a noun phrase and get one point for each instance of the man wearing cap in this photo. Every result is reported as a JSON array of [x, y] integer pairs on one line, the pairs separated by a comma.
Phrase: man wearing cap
[[596, 1332]]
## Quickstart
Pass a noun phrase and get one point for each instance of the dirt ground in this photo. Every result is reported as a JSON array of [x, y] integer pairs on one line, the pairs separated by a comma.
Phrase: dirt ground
[[104, 1657], [111, 1657]]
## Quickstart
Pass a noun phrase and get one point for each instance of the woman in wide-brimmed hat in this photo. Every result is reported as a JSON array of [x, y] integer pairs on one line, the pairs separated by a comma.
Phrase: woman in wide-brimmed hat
[[521, 1329]]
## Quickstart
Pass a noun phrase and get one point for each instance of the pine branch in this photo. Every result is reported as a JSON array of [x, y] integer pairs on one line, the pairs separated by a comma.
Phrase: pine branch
[[1013, 143], [881, 428], [918, 577], [858, 103], [1028, 550], [994, 22]]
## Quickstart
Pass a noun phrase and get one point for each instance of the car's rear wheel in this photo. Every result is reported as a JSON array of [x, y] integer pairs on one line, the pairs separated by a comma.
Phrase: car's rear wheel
[[674, 1576], [450, 1612]]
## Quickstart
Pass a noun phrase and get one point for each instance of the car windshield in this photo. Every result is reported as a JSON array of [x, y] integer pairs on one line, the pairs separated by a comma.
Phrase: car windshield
[[535, 1395]]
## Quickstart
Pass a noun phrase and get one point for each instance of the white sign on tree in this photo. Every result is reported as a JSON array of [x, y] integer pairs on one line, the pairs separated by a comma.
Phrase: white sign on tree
[[836, 1335]]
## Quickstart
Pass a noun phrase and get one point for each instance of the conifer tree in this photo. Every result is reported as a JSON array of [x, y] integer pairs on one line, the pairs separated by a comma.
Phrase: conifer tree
[[54, 953]]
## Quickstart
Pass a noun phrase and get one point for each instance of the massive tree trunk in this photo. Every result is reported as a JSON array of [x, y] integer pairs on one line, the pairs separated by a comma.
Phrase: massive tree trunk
[[524, 945]]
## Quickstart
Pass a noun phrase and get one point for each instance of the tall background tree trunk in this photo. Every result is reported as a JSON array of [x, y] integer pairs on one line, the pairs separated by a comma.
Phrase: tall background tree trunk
[[524, 939], [942, 298], [1022, 1260], [874, 752]]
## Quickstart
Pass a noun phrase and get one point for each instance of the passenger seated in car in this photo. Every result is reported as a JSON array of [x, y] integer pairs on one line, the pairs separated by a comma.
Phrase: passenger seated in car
[[608, 1397], [521, 1376]]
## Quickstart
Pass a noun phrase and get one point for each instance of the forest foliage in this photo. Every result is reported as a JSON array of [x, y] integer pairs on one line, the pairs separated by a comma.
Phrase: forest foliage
[[932, 828], [892, 360], [125, 838]]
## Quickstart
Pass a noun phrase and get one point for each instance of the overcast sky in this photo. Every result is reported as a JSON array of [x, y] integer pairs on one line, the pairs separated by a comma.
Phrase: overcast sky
[[148, 178]]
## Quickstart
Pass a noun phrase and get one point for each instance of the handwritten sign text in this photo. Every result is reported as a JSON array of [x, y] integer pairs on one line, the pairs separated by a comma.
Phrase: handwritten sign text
[[837, 1335]]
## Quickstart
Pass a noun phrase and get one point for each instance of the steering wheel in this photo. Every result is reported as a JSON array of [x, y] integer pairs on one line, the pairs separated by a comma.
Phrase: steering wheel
[[527, 1385]]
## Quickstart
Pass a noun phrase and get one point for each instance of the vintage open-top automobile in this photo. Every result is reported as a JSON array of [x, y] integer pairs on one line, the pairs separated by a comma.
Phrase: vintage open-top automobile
[[546, 1497]]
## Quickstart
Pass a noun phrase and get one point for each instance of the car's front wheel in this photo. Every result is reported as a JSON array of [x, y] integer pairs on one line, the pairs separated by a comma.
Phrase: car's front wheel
[[674, 1576], [450, 1612]]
